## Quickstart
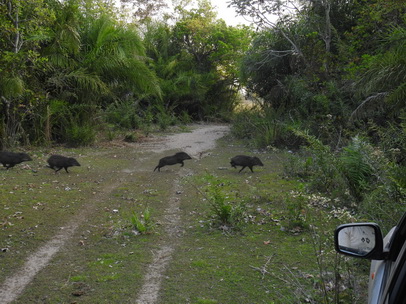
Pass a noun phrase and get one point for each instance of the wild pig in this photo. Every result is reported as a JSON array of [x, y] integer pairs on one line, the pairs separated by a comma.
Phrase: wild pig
[[10, 159], [178, 158], [57, 162], [245, 161]]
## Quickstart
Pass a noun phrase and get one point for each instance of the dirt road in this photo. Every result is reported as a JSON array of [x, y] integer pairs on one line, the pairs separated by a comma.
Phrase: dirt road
[[200, 140]]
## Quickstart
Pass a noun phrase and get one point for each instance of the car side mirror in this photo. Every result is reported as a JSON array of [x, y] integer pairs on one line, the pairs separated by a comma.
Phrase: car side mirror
[[361, 240]]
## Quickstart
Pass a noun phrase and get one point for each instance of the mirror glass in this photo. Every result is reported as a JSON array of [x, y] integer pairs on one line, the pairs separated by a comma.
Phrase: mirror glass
[[359, 240]]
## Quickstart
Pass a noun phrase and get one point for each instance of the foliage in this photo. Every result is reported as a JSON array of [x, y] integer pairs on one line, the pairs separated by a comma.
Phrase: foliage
[[295, 207], [86, 60], [123, 114], [142, 223], [226, 214], [383, 80], [335, 69], [23, 26], [318, 166], [263, 128], [309, 65], [82, 55], [80, 135], [357, 168], [196, 61], [315, 65], [360, 177], [144, 10]]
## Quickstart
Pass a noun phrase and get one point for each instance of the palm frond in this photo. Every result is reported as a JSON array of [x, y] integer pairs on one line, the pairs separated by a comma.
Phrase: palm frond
[[87, 82], [398, 96], [367, 106], [387, 73], [11, 86]]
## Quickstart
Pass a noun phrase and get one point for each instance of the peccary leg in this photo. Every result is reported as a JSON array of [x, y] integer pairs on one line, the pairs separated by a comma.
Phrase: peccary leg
[[66, 169], [251, 169], [182, 163], [242, 169]]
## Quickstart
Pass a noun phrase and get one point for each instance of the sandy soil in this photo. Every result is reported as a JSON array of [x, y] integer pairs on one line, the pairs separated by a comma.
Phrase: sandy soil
[[201, 139], [195, 143]]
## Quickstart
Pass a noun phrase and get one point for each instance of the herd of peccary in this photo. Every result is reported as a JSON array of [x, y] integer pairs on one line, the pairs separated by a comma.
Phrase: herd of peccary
[[239, 160], [58, 162]]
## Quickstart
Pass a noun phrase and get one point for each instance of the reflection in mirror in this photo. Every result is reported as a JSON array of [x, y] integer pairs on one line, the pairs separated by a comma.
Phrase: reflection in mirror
[[359, 240]]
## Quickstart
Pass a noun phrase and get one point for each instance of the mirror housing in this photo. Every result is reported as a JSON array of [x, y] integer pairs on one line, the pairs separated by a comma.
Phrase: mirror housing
[[360, 240]]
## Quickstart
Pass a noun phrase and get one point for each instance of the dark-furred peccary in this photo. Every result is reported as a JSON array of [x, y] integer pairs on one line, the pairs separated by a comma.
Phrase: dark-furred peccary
[[57, 162], [10, 159], [178, 158], [245, 161]]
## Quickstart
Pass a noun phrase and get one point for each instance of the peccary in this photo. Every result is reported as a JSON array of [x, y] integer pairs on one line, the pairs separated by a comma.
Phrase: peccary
[[178, 158], [245, 161], [10, 159], [57, 162]]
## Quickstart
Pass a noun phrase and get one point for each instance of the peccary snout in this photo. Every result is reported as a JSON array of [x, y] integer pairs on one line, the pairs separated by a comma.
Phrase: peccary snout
[[10, 159], [57, 162], [178, 158], [245, 161]]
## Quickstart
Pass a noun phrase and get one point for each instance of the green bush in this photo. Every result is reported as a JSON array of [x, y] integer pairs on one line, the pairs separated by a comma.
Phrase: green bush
[[80, 135], [295, 206], [263, 128], [224, 211], [124, 114], [360, 176], [318, 166], [131, 137], [185, 118], [164, 117], [356, 169], [143, 223]]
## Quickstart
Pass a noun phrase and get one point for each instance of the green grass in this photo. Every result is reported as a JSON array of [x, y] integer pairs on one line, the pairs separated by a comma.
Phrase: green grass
[[268, 259]]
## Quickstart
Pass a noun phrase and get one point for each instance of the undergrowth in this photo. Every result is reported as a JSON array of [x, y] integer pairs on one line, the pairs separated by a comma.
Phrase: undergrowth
[[360, 177], [227, 210], [142, 223], [308, 217]]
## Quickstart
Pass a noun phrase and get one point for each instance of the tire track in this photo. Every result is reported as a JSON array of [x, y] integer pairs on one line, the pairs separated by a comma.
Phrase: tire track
[[13, 286], [195, 143], [152, 281]]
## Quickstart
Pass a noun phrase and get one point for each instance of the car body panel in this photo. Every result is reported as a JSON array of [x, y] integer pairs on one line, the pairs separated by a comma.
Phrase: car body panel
[[377, 272], [387, 278]]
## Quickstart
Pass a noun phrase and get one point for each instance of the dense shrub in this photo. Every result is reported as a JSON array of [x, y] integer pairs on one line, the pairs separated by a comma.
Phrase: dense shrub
[[262, 128], [359, 176], [80, 135], [226, 212], [124, 114]]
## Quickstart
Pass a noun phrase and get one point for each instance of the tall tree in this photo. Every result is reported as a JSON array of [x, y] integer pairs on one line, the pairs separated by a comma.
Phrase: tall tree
[[23, 25], [198, 60], [93, 60], [144, 10]]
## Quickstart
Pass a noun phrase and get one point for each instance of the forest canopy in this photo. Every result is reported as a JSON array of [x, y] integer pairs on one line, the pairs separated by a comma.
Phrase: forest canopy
[[71, 69]]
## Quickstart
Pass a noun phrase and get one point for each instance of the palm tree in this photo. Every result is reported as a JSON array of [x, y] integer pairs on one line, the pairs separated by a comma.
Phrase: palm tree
[[92, 62]]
